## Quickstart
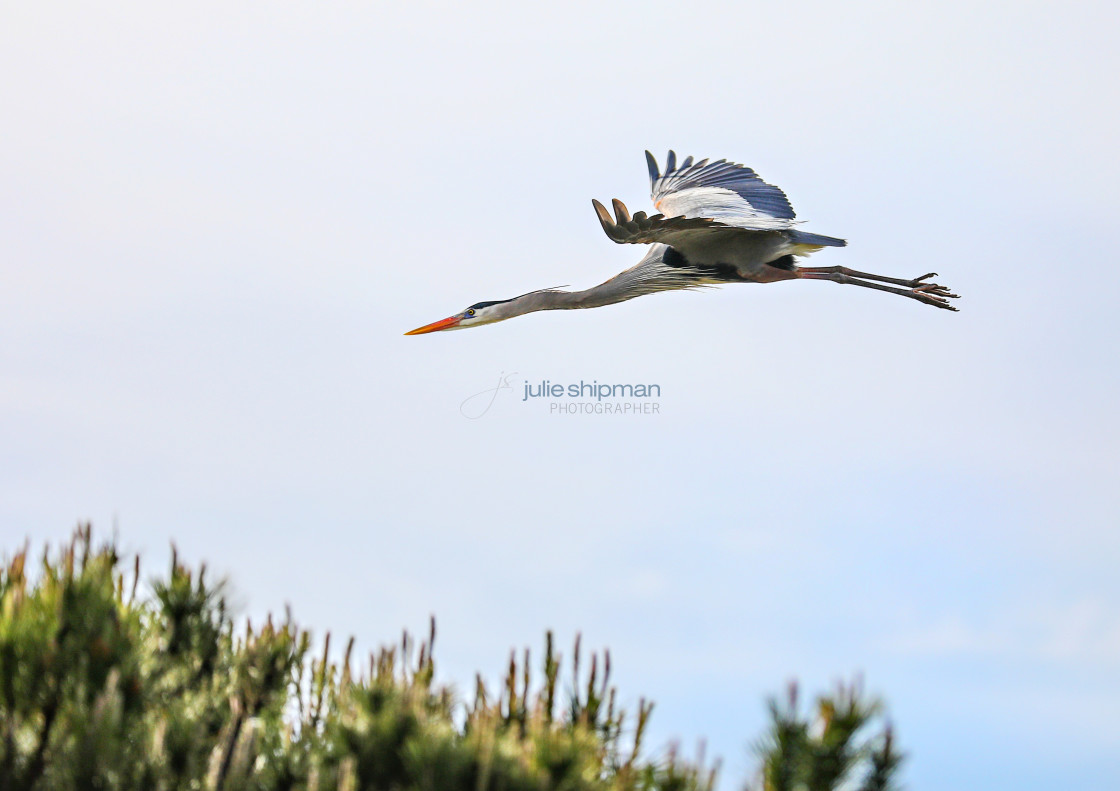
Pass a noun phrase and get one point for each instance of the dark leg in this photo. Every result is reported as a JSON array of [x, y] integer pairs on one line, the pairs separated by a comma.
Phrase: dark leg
[[843, 270], [929, 293]]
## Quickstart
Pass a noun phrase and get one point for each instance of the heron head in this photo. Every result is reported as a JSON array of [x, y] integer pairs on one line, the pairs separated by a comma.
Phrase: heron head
[[475, 316], [499, 310]]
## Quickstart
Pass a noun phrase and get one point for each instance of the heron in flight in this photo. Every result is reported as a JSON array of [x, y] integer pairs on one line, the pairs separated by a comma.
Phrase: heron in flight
[[717, 223]]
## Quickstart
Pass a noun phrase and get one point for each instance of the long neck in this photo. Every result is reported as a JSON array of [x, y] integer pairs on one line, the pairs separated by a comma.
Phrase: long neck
[[603, 294]]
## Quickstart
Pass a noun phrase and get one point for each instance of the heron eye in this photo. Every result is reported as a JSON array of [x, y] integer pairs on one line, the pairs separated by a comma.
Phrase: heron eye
[[470, 312]]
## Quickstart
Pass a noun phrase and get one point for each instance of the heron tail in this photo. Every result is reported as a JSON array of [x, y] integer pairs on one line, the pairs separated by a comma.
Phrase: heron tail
[[815, 239]]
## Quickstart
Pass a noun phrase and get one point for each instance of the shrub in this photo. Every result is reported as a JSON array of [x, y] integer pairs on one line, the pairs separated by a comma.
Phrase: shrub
[[103, 689]]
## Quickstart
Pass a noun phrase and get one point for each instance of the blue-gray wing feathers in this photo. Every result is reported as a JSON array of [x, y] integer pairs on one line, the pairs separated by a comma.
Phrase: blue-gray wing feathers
[[760, 198], [702, 203]]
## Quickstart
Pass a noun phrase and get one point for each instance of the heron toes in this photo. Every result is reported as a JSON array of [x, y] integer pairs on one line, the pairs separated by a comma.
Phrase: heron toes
[[936, 290], [918, 281], [933, 294]]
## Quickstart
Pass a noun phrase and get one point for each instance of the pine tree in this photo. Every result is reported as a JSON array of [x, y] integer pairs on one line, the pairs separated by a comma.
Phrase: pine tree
[[102, 688]]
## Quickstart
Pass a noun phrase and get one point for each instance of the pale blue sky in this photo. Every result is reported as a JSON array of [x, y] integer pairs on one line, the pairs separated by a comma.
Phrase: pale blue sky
[[216, 220]]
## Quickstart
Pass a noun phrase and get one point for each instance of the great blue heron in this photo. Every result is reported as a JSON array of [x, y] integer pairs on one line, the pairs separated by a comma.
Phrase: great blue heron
[[718, 223]]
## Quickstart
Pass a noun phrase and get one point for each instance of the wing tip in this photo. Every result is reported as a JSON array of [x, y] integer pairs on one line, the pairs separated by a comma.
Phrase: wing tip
[[651, 164], [610, 228], [621, 213]]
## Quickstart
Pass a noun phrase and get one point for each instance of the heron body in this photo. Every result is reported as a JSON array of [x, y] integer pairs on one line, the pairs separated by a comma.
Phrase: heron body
[[717, 223]]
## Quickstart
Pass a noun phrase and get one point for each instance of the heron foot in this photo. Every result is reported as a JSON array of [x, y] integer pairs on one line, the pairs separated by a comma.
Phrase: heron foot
[[929, 293], [932, 293]]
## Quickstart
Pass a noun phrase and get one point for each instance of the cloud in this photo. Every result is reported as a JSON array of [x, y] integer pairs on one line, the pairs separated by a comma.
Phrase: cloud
[[1080, 632]]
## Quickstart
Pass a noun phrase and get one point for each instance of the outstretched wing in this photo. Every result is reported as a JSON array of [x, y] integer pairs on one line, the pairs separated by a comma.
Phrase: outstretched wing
[[640, 229], [730, 194]]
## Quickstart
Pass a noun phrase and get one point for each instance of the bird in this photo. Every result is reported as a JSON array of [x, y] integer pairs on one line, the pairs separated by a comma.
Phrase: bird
[[717, 223]]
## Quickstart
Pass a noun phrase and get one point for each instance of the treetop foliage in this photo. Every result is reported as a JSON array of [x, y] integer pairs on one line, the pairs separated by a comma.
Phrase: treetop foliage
[[104, 688]]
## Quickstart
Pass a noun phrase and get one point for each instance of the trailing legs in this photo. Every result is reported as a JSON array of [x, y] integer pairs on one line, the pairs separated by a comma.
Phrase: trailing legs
[[928, 293]]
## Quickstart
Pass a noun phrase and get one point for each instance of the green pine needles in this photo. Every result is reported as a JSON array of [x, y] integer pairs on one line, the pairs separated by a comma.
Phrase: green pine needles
[[827, 751], [103, 688]]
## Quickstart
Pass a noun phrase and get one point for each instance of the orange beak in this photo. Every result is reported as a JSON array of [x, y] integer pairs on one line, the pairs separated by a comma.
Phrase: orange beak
[[442, 324]]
